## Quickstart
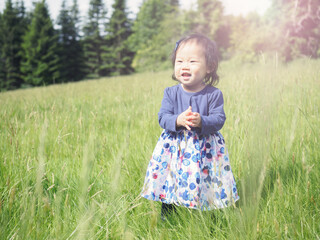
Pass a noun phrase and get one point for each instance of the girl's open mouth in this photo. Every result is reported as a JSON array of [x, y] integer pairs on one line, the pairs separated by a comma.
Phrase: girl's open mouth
[[186, 75]]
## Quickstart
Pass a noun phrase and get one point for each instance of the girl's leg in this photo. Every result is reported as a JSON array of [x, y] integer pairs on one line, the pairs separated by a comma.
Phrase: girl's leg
[[166, 210]]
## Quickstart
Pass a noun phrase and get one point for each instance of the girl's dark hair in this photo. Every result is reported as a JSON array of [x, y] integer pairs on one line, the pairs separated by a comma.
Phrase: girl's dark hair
[[211, 54]]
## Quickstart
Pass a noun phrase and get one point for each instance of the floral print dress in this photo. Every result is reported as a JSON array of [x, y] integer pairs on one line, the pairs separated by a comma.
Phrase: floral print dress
[[190, 170]]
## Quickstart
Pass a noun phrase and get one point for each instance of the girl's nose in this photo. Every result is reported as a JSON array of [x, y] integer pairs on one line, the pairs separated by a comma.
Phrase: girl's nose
[[185, 66]]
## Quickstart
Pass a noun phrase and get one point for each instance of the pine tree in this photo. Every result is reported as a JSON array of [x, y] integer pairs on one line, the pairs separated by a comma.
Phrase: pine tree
[[72, 66], [157, 55], [2, 72], [145, 28], [210, 18], [75, 18], [93, 41], [13, 27], [147, 23], [40, 64], [174, 4], [78, 63], [117, 56]]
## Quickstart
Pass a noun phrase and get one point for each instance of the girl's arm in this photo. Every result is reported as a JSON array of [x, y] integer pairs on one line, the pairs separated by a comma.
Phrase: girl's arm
[[216, 116], [166, 116]]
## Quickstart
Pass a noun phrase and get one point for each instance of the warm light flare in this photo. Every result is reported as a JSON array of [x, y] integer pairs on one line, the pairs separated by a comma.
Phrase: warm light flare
[[245, 6]]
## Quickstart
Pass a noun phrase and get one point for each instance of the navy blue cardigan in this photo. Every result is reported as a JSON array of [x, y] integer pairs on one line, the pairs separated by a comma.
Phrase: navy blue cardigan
[[208, 103]]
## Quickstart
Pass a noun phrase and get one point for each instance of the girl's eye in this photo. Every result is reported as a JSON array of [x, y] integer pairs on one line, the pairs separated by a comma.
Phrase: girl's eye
[[193, 61], [179, 61]]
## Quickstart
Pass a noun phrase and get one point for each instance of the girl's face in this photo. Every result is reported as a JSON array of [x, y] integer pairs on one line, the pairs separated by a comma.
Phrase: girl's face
[[190, 66]]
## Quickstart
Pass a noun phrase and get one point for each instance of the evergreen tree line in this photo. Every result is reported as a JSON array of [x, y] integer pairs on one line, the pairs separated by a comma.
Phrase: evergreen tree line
[[33, 52]]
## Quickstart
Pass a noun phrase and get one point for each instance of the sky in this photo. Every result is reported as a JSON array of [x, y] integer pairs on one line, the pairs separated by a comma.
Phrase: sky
[[235, 7]]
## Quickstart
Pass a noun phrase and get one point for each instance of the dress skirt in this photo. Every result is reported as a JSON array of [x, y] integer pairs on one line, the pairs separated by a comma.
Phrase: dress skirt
[[191, 170]]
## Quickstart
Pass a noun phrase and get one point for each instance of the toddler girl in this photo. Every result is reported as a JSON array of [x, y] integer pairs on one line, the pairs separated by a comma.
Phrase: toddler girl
[[190, 165]]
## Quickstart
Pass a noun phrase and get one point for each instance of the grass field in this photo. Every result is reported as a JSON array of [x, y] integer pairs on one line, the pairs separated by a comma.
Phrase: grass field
[[73, 158]]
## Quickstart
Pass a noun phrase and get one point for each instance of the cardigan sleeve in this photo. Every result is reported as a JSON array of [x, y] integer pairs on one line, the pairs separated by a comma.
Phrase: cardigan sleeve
[[166, 116], [216, 116]]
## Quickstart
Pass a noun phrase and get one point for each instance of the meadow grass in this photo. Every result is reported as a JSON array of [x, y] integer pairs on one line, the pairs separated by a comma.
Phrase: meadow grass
[[73, 157]]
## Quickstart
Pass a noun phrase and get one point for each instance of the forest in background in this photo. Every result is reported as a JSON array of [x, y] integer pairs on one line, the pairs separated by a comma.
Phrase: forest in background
[[35, 51]]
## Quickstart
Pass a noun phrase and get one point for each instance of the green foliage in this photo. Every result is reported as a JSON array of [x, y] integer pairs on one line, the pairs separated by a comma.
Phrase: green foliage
[[73, 157], [72, 62], [174, 4], [289, 28], [147, 23], [297, 24], [209, 20], [93, 41], [2, 72], [117, 56], [249, 46], [155, 31], [209, 17], [39, 49], [12, 28], [157, 54], [43, 55]]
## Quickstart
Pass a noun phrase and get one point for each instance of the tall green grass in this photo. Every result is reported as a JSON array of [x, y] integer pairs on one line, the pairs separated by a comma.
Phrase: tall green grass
[[73, 158]]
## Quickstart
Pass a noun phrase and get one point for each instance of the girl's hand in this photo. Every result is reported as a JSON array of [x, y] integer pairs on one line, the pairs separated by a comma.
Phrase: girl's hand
[[187, 119], [196, 121]]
